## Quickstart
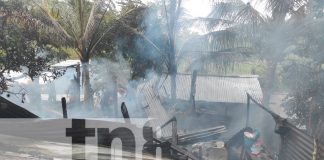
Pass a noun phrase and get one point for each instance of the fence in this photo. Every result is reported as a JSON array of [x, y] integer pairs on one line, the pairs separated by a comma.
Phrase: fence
[[293, 144]]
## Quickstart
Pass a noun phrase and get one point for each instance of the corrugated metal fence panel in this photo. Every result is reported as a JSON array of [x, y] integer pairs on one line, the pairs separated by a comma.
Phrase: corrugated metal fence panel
[[319, 133], [154, 108], [183, 87], [297, 145], [320, 150]]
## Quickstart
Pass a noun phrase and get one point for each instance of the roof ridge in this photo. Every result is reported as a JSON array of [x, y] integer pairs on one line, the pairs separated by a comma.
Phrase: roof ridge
[[230, 76]]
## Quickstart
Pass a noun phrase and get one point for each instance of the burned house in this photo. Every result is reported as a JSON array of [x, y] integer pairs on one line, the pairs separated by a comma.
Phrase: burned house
[[206, 108], [237, 101], [220, 98], [293, 144]]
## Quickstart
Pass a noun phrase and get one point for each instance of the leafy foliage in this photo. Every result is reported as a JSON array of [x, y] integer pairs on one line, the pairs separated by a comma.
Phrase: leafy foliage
[[19, 49], [304, 103], [145, 48], [303, 73]]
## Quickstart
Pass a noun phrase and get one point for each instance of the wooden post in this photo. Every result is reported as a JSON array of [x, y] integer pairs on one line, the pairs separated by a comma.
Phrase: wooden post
[[193, 89], [63, 100], [194, 109], [247, 110], [174, 132], [125, 112], [115, 96], [78, 79]]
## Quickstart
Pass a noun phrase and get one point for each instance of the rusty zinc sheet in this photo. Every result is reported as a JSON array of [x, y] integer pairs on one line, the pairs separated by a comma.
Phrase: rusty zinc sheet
[[227, 89], [297, 145], [319, 132]]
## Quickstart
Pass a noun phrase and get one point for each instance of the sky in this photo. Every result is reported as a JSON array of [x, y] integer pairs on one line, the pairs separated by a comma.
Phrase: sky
[[196, 8], [199, 8]]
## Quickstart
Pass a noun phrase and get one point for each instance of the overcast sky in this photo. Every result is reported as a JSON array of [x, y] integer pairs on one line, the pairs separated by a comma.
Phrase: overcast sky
[[197, 8]]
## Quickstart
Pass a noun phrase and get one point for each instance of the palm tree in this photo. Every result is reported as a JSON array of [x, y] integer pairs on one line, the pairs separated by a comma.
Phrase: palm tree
[[237, 29], [305, 80], [223, 42], [280, 33], [172, 12], [85, 26]]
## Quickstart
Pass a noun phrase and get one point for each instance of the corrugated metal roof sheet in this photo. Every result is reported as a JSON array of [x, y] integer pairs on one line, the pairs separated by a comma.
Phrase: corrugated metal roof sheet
[[67, 63], [153, 107], [9, 109], [230, 89], [319, 132]]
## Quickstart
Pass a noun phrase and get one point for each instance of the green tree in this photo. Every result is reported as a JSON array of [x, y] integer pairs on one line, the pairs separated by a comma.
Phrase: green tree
[[303, 72], [159, 31], [82, 25], [224, 40], [145, 48], [172, 15], [280, 33], [19, 47], [239, 29]]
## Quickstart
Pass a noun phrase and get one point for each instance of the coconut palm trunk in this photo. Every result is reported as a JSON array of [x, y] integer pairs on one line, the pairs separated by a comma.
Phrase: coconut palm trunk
[[77, 28], [87, 93], [270, 77], [173, 73], [172, 19]]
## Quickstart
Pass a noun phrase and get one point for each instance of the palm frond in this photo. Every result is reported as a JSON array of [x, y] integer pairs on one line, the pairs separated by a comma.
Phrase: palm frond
[[19, 14], [222, 61], [95, 18], [117, 23], [248, 15], [220, 40], [218, 49], [183, 19], [226, 9], [280, 8], [216, 41], [51, 23], [298, 14], [207, 23], [79, 11]]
